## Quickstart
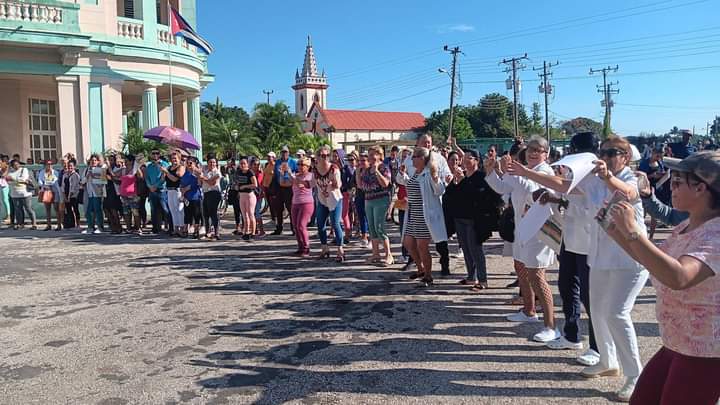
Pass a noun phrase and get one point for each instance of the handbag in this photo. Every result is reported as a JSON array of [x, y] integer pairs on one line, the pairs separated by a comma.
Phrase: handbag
[[46, 196], [551, 232], [506, 224]]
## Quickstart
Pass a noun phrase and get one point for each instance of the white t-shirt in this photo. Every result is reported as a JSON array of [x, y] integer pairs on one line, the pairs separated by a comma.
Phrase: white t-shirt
[[19, 190], [604, 253], [211, 174]]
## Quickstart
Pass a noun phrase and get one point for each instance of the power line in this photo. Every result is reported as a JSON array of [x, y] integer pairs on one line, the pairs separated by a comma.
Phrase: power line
[[403, 98], [546, 89], [515, 65], [608, 91]]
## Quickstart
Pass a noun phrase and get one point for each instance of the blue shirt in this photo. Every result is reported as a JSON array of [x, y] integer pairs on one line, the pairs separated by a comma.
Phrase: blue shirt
[[292, 163], [189, 180], [681, 151], [154, 177]]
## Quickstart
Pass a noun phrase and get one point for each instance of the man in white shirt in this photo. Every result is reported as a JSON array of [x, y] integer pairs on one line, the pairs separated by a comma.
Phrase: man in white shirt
[[425, 141]]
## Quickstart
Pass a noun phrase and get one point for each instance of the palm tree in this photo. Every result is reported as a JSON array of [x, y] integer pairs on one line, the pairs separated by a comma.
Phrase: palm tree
[[275, 125], [229, 138]]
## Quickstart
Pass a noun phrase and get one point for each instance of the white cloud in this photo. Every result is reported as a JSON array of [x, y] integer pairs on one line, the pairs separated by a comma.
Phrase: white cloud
[[446, 28]]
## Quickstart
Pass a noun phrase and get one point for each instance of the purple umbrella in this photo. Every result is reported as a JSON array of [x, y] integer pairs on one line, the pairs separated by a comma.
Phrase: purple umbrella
[[172, 136]]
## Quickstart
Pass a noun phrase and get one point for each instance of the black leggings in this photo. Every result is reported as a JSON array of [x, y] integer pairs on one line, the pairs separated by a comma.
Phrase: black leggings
[[193, 212], [210, 209], [234, 200]]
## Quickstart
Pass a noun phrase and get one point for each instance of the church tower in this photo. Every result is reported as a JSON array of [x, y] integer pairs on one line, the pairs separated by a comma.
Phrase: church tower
[[310, 87]]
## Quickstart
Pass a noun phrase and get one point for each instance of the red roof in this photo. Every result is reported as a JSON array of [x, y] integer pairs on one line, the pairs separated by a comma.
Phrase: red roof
[[373, 120]]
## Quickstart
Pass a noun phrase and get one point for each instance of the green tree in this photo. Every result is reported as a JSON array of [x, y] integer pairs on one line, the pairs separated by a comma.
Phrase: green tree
[[581, 124], [274, 125], [133, 141], [536, 121], [308, 142], [229, 138], [492, 117], [439, 124]]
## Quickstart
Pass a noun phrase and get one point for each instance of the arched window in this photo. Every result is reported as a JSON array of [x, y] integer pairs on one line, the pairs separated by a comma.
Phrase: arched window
[[316, 98]]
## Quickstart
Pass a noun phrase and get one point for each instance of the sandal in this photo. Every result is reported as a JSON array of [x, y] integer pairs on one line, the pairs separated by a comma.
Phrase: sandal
[[372, 260], [465, 282], [479, 287], [415, 276]]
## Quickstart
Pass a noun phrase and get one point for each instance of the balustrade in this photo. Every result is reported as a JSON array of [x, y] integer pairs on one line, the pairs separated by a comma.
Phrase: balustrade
[[30, 12]]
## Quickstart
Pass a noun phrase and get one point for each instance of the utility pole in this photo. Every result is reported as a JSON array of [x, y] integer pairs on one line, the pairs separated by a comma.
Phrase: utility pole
[[607, 90], [454, 51], [268, 93], [515, 65], [546, 89]]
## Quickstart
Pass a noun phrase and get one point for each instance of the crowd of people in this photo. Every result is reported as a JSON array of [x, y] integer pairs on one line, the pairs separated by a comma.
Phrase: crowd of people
[[605, 253]]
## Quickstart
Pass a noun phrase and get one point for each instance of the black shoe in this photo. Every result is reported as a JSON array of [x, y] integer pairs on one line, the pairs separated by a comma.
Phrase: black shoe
[[277, 232], [514, 284], [445, 271], [246, 237], [346, 241]]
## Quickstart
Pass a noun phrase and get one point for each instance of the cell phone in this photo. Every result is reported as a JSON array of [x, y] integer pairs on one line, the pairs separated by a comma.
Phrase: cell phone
[[603, 216]]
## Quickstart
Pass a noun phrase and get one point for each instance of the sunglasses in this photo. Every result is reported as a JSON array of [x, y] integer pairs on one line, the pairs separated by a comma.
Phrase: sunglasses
[[324, 155], [417, 156], [611, 152]]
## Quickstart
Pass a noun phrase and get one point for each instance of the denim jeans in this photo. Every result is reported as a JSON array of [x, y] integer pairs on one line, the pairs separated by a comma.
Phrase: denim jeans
[[20, 205], [473, 250], [335, 216], [94, 213], [362, 217], [158, 209]]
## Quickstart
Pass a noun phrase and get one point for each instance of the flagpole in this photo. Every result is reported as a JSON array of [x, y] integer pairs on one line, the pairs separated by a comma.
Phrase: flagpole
[[170, 40]]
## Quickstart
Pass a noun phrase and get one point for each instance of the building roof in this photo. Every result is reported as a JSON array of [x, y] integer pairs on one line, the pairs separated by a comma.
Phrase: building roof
[[373, 120]]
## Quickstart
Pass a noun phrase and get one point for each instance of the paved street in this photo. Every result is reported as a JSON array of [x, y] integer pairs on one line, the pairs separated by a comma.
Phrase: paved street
[[125, 320]]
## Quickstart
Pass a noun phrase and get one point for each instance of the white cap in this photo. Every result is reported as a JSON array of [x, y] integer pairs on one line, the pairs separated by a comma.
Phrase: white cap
[[300, 152], [271, 154], [635, 154]]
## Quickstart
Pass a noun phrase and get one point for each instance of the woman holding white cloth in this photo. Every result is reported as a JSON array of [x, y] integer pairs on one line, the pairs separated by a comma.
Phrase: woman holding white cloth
[[616, 279], [534, 255]]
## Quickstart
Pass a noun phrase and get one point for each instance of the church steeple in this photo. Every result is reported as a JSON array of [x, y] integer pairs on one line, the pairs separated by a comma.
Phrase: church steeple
[[310, 86]]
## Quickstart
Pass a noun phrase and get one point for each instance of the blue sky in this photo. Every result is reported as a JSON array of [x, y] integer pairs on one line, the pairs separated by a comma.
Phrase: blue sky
[[384, 55]]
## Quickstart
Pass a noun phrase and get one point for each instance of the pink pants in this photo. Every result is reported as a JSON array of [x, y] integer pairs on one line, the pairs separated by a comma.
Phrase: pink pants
[[347, 223], [247, 206], [300, 216]]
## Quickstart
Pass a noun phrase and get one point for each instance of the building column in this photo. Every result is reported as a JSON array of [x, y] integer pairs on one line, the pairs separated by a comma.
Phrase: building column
[[69, 125], [150, 107], [139, 120], [125, 124], [194, 127], [113, 114]]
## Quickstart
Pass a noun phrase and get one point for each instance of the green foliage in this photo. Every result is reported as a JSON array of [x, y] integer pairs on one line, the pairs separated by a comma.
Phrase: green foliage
[[274, 125], [229, 138], [581, 124], [134, 143], [439, 124], [232, 132], [307, 142]]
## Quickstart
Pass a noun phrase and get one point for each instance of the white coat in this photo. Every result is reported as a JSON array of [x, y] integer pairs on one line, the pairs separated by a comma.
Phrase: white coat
[[533, 253], [432, 203]]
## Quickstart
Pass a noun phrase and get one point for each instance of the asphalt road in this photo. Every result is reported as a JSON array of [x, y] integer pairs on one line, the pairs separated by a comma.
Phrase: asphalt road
[[107, 320]]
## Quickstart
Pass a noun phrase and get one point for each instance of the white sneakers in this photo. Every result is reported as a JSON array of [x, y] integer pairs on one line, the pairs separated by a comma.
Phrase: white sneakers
[[84, 232], [562, 343], [589, 358], [97, 231], [599, 370], [364, 243], [627, 390], [546, 335], [521, 317]]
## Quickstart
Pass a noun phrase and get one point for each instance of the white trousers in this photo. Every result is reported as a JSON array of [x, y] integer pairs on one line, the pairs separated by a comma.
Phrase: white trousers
[[176, 207], [612, 297]]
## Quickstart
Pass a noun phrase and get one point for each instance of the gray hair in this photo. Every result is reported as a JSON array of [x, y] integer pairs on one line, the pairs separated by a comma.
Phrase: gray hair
[[538, 140], [324, 147]]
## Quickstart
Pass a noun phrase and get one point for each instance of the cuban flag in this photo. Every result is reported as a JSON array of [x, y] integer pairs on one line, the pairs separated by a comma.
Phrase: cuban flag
[[179, 26]]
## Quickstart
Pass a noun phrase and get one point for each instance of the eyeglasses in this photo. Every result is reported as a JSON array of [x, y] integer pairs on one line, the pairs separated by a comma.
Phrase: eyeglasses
[[611, 152], [417, 156], [301, 164], [154, 153]]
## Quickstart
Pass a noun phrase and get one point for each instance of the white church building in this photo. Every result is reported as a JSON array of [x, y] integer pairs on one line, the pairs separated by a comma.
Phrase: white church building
[[349, 129]]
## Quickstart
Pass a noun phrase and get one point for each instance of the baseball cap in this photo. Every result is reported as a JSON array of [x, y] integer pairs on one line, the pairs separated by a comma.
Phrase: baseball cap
[[285, 149], [705, 165], [300, 152], [685, 132], [271, 154]]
